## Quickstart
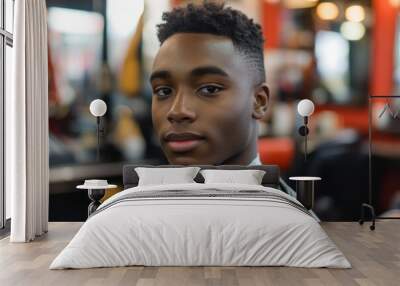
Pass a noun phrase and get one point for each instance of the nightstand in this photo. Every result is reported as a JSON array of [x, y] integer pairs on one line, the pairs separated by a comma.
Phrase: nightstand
[[96, 190], [305, 190]]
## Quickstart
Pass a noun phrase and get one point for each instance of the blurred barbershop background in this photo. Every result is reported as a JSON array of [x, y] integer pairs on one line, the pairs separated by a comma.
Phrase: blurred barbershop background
[[336, 53]]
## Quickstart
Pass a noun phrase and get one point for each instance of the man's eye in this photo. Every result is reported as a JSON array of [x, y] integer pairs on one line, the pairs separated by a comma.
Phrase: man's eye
[[209, 90], [162, 91]]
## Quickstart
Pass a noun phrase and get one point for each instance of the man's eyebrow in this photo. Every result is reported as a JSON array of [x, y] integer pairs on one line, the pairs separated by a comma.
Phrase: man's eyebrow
[[200, 71], [160, 75], [197, 72]]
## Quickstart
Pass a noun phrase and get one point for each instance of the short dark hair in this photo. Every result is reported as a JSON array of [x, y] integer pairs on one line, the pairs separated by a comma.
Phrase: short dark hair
[[216, 19]]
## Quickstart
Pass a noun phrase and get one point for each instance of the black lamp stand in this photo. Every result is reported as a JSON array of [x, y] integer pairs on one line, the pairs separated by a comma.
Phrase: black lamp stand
[[95, 195], [369, 206], [98, 139], [303, 131], [100, 132]]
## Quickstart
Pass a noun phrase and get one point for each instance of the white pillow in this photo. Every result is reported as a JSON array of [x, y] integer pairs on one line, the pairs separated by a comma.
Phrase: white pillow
[[162, 176], [248, 177]]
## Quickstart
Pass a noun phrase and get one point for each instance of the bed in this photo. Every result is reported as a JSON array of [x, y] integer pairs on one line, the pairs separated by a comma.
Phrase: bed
[[201, 224]]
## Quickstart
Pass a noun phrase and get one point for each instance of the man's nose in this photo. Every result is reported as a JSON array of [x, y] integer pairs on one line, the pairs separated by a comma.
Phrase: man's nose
[[180, 110]]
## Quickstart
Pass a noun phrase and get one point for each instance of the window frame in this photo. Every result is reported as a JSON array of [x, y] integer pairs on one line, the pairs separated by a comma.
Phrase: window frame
[[6, 39]]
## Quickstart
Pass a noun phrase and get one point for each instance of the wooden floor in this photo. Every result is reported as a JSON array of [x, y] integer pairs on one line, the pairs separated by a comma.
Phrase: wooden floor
[[374, 255]]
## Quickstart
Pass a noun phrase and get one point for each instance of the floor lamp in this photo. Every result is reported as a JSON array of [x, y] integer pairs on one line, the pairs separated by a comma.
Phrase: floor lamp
[[96, 188]]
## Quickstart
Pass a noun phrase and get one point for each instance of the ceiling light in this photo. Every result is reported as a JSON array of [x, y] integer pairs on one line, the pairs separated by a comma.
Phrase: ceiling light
[[299, 4], [355, 13], [327, 11], [395, 3]]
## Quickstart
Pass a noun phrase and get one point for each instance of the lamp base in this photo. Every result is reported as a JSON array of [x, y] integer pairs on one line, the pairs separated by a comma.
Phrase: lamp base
[[305, 193], [95, 196], [362, 219]]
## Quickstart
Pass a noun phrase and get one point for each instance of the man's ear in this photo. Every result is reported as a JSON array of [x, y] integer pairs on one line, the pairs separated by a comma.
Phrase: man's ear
[[261, 100]]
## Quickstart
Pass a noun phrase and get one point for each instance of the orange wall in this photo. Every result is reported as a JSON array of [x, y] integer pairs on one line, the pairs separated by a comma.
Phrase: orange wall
[[271, 24], [349, 116], [383, 44]]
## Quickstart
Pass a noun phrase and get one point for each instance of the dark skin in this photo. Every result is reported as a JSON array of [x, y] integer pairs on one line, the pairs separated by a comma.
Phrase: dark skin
[[203, 85]]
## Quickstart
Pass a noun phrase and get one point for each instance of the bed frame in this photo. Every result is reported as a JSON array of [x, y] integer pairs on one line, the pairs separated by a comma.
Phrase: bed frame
[[271, 178]]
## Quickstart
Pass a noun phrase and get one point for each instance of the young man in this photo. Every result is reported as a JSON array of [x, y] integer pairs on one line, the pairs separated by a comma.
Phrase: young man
[[208, 84]]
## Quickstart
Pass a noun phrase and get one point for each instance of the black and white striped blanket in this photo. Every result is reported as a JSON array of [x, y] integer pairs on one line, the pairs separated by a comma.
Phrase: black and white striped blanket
[[204, 194]]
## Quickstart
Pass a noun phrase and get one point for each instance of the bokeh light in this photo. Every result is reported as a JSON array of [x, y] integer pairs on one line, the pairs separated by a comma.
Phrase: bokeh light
[[352, 31], [327, 11], [355, 13]]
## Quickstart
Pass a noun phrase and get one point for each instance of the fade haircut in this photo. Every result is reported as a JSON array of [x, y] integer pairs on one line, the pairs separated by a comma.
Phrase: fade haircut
[[216, 19]]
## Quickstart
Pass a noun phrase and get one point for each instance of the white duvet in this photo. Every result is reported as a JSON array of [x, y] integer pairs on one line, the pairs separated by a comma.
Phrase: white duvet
[[200, 231]]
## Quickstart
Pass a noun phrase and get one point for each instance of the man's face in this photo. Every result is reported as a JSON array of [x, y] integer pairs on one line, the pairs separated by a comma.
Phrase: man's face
[[203, 96]]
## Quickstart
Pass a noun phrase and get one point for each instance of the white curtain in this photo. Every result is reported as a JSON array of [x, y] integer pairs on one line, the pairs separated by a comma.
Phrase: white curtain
[[27, 165]]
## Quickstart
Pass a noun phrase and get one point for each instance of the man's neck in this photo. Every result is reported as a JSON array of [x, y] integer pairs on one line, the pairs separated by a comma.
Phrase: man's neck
[[246, 157]]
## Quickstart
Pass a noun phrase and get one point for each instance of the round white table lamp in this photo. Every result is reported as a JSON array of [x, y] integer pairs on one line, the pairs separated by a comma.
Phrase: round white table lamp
[[98, 108]]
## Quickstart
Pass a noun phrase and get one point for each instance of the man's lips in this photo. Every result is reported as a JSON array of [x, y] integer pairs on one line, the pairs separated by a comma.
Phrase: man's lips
[[183, 146], [183, 142]]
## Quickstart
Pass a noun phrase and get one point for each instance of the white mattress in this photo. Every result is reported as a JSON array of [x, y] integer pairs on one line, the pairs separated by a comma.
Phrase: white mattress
[[189, 231]]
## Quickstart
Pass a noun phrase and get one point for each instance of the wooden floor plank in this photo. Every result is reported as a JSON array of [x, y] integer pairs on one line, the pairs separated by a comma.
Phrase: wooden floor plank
[[374, 255]]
